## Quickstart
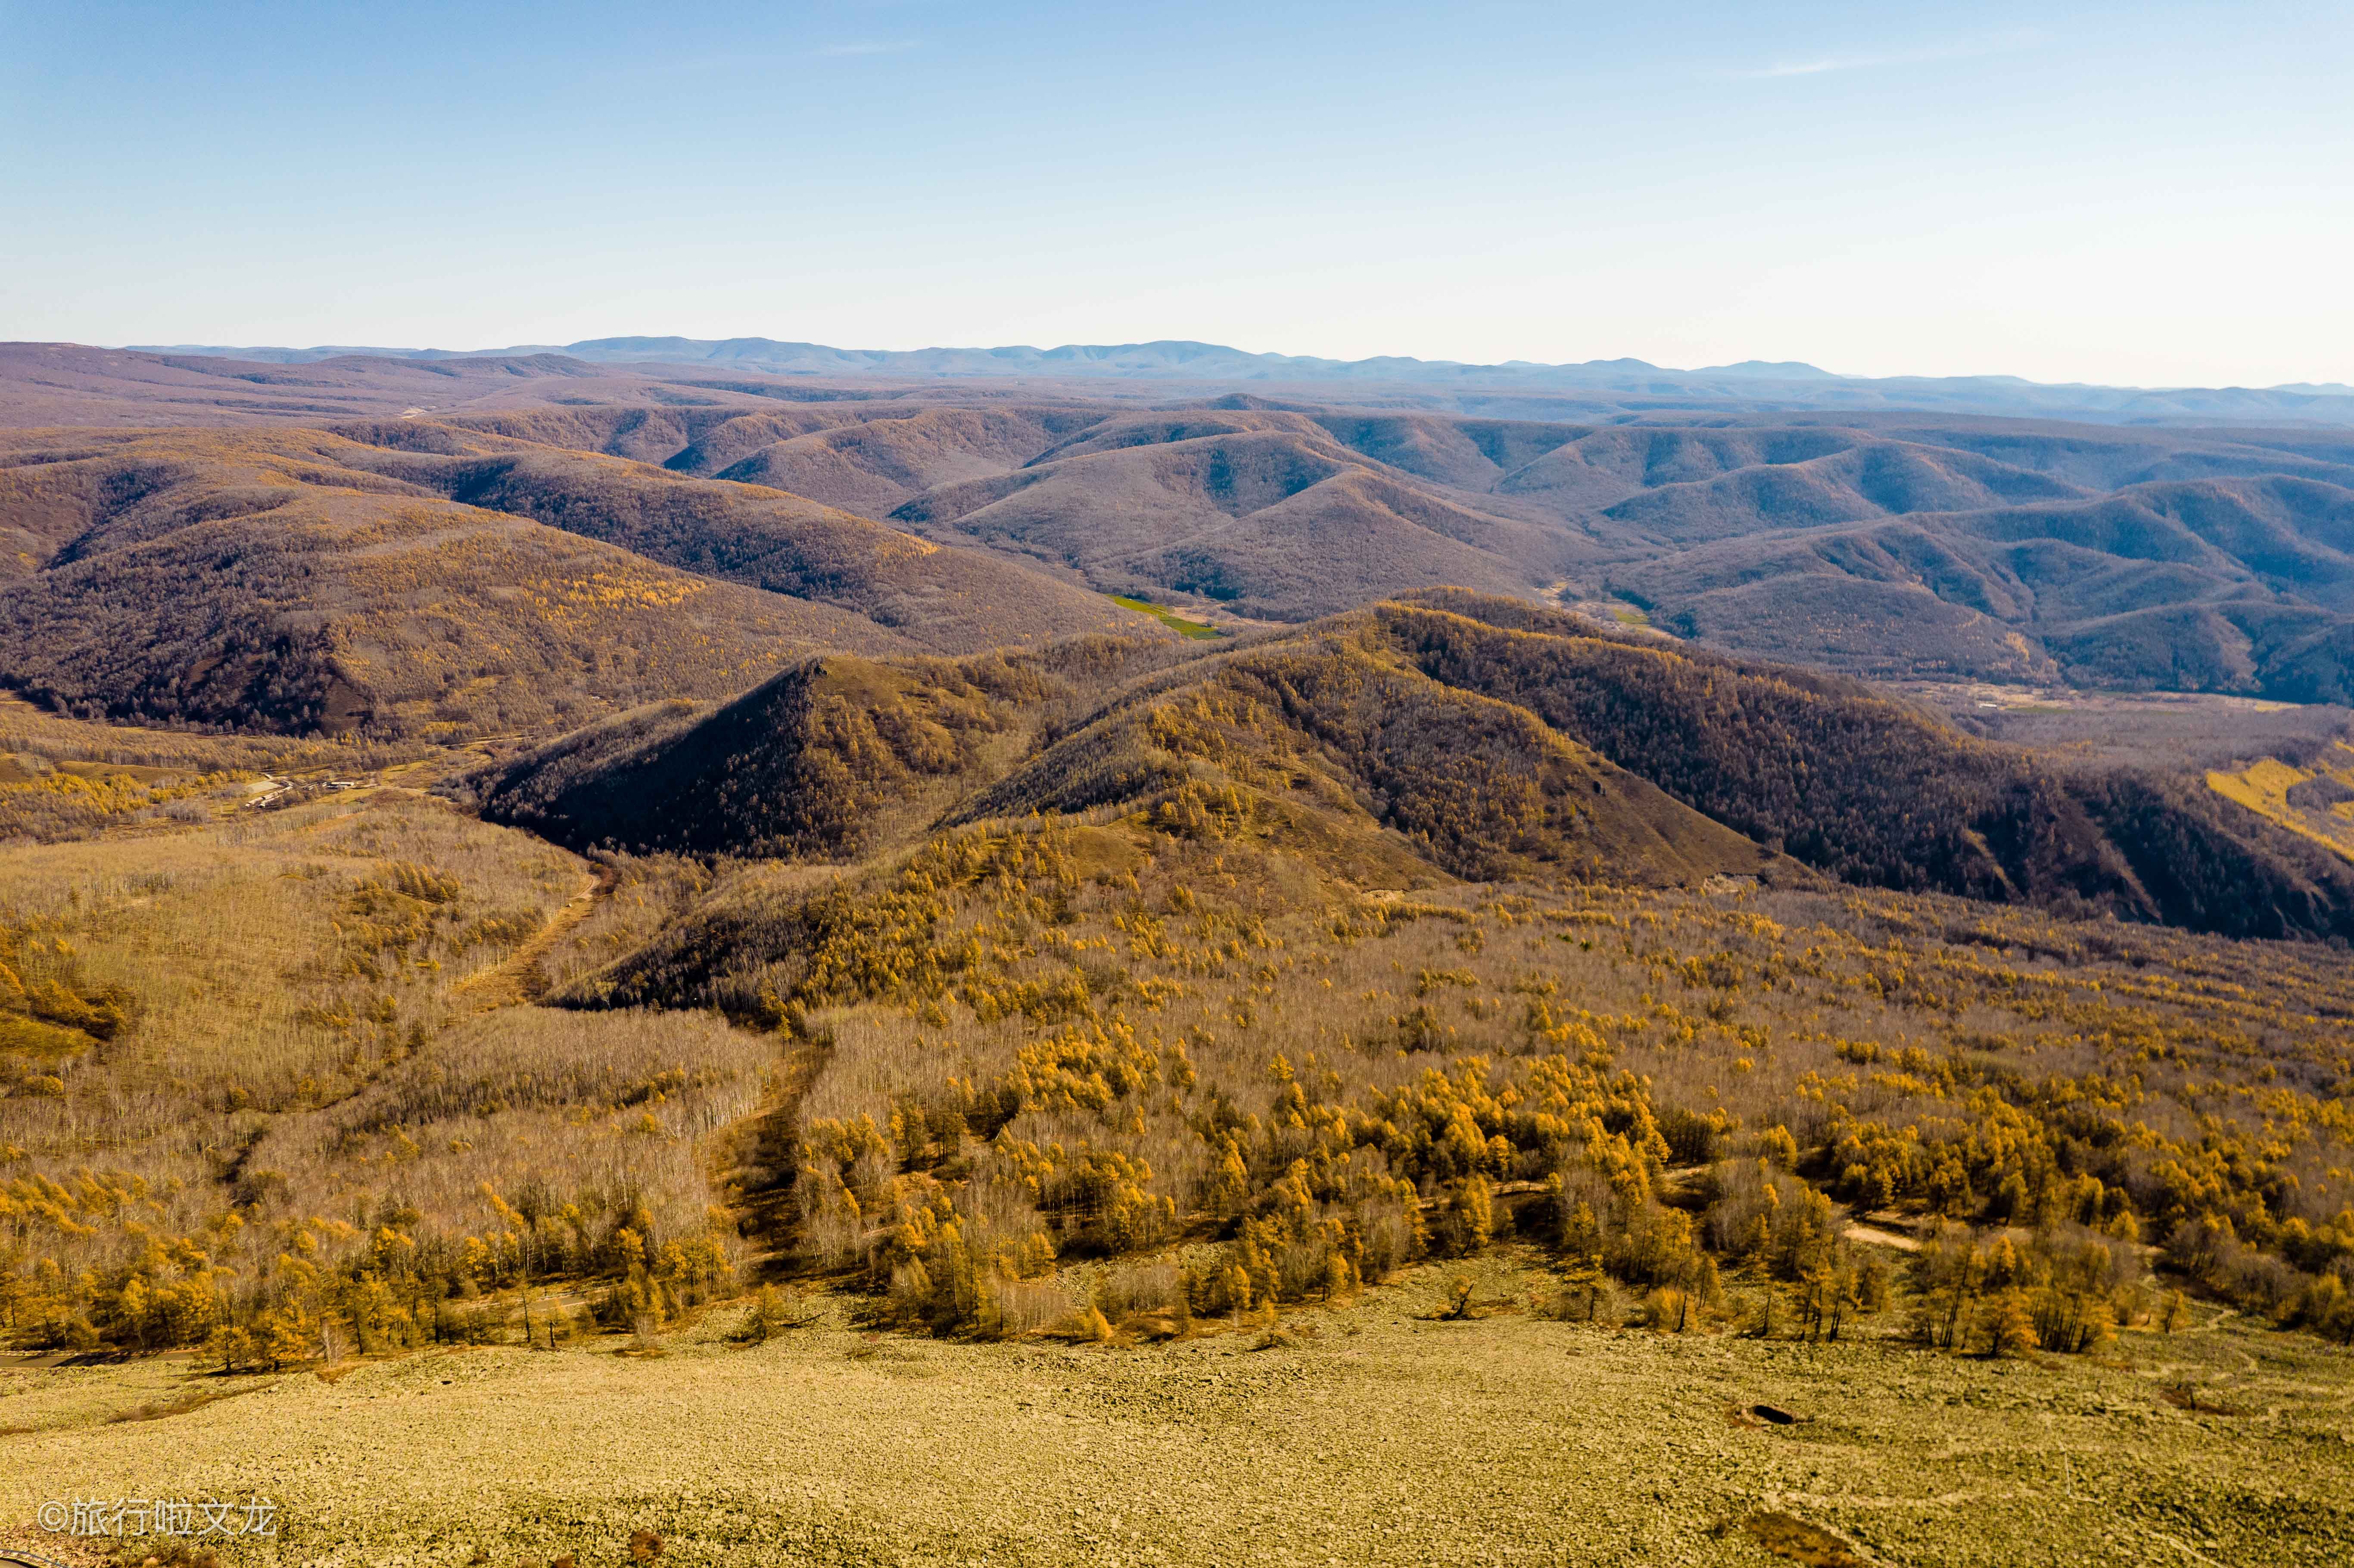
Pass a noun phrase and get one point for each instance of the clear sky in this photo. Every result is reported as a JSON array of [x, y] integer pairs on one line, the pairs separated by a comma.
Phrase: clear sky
[[2142, 194]]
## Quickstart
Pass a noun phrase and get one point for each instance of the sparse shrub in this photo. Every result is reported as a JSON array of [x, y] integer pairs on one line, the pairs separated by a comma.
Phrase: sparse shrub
[[771, 1312], [1031, 1306], [1589, 1298]]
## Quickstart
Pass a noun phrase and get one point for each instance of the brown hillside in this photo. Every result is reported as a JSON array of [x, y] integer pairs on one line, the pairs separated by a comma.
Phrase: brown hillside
[[2230, 584], [250, 586], [1870, 790], [948, 601], [875, 465], [1324, 742], [819, 762], [1902, 547], [54, 383], [1458, 735], [1275, 523], [295, 578], [1868, 479], [1913, 548]]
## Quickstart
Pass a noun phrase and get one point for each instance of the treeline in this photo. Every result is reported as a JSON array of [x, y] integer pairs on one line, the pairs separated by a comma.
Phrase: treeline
[[27, 731], [51, 806], [557, 1153]]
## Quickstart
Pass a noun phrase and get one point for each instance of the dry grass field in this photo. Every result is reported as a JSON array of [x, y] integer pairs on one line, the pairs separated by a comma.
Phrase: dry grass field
[[1373, 1432]]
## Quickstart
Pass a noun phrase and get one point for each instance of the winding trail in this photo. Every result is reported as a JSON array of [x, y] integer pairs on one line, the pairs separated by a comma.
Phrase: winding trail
[[756, 1165], [518, 979]]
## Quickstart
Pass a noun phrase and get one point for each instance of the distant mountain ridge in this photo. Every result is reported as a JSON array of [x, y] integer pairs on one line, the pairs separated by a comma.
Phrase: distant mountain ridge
[[1751, 383]]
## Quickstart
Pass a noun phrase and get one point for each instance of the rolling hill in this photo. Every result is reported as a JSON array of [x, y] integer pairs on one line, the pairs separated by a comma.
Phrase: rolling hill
[[946, 599], [1906, 546], [1265, 513], [1442, 737], [1905, 549], [300, 580], [71, 384], [820, 761], [2233, 584], [1375, 771]]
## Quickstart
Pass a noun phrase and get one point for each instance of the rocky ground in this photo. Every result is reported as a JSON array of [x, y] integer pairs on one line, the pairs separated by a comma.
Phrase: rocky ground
[[1371, 1434]]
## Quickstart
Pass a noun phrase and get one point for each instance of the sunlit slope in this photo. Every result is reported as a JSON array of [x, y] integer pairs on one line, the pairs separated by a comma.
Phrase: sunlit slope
[[941, 599], [1266, 513], [1324, 741], [2315, 800], [295, 580], [253, 581]]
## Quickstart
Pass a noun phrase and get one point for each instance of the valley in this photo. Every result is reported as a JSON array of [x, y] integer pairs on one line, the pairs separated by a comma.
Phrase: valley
[[1897, 547]]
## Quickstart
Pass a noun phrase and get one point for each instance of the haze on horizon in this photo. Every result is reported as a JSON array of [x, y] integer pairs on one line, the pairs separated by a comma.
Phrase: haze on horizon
[[2150, 196]]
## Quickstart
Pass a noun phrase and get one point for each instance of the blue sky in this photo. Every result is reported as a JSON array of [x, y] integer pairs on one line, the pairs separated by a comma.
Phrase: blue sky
[[2135, 194]]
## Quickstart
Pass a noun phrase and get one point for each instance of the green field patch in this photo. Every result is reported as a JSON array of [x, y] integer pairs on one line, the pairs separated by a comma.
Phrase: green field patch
[[1167, 617]]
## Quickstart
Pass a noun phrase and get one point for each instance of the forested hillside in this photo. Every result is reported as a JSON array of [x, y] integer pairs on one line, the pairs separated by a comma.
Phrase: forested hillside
[[945, 600], [1053, 1040], [300, 582], [1858, 785], [1261, 970], [1159, 983], [1485, 738], [817, 762]]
